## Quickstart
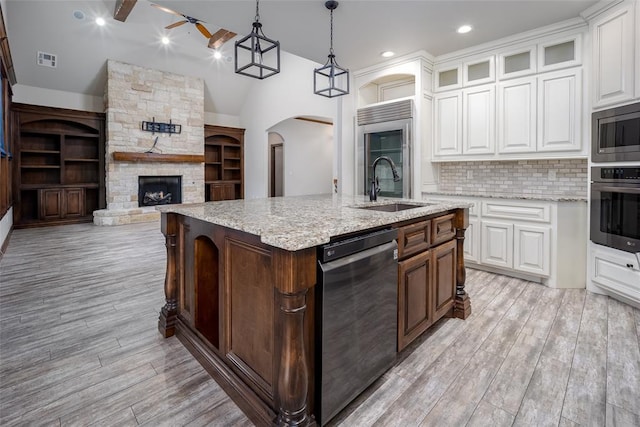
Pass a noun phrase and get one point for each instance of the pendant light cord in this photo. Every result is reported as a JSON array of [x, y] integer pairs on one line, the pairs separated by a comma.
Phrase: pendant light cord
[[331, 35], [257, 17]]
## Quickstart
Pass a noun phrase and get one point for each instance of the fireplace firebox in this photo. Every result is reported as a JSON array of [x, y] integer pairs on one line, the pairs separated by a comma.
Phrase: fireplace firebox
[[159, 190]]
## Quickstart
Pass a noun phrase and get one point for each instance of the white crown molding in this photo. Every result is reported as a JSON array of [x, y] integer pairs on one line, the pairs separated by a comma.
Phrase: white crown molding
[[411, 57], [600, 7]]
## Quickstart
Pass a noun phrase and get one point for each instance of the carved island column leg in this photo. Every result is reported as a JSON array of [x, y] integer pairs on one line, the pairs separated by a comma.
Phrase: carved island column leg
[[295, 275], [168, 313], [462, 304]]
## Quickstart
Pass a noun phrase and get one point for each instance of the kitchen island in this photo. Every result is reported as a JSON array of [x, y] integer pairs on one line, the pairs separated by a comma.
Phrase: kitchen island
[[240, 282]]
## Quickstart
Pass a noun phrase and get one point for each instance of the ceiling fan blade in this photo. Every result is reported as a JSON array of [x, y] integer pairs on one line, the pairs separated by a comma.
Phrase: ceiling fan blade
[[166, 9], [175, 24], [220, 37], [203, 30]]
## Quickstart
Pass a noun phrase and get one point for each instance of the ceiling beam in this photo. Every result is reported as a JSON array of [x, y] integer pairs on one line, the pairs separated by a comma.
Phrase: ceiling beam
[[220, 37], [123, 9]]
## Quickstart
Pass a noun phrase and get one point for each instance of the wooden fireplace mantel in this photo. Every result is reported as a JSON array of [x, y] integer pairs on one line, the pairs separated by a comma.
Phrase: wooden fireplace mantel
[[157, 157]]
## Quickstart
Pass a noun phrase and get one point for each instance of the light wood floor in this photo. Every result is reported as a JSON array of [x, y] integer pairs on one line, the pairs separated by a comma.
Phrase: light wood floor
[[79, 346]]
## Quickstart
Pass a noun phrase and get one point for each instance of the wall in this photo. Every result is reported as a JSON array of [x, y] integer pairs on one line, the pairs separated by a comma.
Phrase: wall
[[135, 94], [6, 222], [308, 156], [286, 95], [57, 98], [523, 177]]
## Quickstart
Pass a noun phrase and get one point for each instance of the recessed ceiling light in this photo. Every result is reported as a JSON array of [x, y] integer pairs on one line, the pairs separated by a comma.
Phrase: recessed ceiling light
[[387, 54], [464, 29], [165, 40], [217, 54], [100, 21]]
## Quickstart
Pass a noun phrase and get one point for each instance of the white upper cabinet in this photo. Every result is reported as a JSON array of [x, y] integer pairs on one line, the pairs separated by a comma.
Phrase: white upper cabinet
[[478, 121], [447, 78], [560, 111], [517, 63], [448, 124], [562, 53], [517, 116], [531, 110], [479, 71], [613, 36]]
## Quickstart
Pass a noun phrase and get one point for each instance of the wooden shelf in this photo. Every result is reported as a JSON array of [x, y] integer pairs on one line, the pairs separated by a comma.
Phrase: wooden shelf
[[157, 157]]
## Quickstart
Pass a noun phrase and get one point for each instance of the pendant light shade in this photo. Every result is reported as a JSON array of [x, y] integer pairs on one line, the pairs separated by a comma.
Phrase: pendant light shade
[[256, 55], [331, 79]]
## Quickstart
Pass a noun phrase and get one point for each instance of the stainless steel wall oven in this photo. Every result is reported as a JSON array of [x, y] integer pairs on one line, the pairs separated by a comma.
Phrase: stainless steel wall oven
[[615, 207], [615, 134]]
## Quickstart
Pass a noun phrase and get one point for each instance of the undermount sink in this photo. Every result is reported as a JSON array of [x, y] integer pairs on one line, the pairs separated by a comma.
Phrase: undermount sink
[[393, 207]]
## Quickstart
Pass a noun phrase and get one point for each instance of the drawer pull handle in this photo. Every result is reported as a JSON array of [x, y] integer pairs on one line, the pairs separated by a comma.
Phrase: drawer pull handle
[[630, 265]]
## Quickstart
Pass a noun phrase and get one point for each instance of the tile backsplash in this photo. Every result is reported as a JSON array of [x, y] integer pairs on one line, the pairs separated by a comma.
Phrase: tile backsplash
[[522, 177]]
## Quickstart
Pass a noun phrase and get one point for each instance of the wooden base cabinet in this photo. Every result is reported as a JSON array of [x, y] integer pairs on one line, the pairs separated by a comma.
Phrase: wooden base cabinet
[[427, 280], [61, 203]]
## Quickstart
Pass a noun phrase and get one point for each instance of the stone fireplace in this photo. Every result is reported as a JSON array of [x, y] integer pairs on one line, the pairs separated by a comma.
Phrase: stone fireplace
[[135, 94]]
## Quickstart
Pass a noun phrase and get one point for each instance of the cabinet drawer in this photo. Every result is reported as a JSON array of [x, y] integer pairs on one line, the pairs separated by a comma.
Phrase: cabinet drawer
[[442, 229], [619, 274], [539, 213], [414, 238]]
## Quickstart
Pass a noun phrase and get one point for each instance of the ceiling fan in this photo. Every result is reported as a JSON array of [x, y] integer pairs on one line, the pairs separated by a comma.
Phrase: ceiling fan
[[215, 40]]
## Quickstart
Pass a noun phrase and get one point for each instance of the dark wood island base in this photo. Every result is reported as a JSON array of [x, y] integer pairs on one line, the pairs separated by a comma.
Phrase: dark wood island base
[[245, 310]]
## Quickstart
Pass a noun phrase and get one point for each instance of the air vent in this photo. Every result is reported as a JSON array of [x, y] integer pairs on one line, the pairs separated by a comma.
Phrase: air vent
[[386, 112], [47, 59]]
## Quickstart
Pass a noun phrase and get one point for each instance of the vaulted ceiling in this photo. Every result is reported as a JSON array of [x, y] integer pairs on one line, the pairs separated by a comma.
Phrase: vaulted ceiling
[[362, 30]]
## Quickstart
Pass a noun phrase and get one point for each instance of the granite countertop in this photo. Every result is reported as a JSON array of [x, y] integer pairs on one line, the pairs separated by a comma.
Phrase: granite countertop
[[295, 223], [550, 198]]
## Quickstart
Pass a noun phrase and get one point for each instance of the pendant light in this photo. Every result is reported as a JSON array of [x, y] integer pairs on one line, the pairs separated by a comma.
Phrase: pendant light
[[331, 80], [256, 55]]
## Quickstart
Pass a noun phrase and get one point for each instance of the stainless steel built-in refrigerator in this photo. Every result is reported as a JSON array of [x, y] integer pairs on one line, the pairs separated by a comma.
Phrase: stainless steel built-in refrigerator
[[385, 130]]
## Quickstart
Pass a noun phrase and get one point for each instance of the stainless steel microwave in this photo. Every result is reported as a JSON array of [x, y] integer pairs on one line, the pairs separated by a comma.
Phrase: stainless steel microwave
[[615, 134]]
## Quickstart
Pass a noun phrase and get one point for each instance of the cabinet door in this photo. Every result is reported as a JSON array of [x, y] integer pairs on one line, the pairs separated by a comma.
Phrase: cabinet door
[[497, 244], [222, 191], [448, 128], [560, 111], [444, 278], [478, 122], [51, 202], [415, 309], [616, 271], [613, 57], [531, 249], [517, 116], [74, 202], [471, 241]]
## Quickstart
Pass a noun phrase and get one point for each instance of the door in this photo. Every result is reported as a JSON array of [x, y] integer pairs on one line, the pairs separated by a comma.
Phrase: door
[[51, 202], [415, 309], [517, 116], [74, 202], [391, 144], [276, 173], [478, 121], [560, 111], [448, 128], [222, 191], [497, 244], [531, 249], [444, 278]]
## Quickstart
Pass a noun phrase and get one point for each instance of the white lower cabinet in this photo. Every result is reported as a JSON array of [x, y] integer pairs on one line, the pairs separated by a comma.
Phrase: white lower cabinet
[[497, 244], [534, 239], [615, 273], [531, 249]]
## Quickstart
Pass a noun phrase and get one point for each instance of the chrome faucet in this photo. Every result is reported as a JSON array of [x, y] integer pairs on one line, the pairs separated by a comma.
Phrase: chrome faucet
[[375, 189]]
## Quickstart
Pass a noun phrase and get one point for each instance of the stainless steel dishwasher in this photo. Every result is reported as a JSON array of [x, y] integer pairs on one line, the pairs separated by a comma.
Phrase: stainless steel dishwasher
[[356, 317]]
